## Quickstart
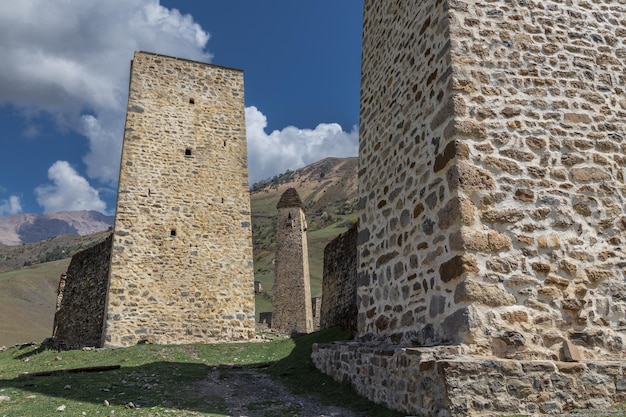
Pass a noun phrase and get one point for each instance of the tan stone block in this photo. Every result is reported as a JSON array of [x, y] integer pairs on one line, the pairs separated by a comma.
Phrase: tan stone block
[[527, 196], [526, 240], [459, 209], [469, 178], [487, 294], [516, 316], [578, 118], [582, 209], [521, 281], [550, 292], [466, 128], [573, 304], [540, 267], [550, 241], [492, 241], [503, 216], [538, 305], [557, 281], [589, 174], [503, 165], [596, 275]]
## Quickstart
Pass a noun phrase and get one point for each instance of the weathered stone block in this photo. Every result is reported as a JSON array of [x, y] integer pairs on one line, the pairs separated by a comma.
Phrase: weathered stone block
[[457, 267], [487, 294], [469, 178]]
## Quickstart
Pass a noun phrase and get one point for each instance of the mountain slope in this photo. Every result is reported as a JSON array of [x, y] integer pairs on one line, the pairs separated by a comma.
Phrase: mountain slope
[[29, 228], [14, 257], [328, 190], [27, 302]]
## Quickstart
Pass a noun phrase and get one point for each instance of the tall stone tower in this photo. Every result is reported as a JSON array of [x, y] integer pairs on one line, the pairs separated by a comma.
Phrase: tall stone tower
[[291, 310], [492, 180], [492, 183], [181, 265]]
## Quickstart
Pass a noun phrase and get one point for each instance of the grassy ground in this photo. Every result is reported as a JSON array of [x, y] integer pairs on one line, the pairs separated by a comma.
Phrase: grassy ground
[[27, 302], [161, 379]]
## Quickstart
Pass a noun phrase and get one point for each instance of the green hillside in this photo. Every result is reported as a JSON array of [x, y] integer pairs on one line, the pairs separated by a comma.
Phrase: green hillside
[[27, 302]]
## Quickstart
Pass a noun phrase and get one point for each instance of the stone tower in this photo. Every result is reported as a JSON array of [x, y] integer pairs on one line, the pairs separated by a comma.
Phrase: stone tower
[[292, 311], [181, 264], [492, 183], [492, 180]]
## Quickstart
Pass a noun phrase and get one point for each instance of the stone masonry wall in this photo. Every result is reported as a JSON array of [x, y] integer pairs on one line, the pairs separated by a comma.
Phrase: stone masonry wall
[[181, 268], [442, 382], [405, 124], [492, 176], [291, 303], [79, 317], [339, 282]]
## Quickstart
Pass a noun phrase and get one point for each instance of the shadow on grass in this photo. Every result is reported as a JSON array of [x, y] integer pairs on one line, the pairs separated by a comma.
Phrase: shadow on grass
[[298, 373], [43, 347], [182, 385], [158, 384]]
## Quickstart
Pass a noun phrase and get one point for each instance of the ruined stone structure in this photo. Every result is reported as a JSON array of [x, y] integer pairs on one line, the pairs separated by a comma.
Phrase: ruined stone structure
[[181, 263], [291, 305], [79, 315], [493, 190], [339, 282]]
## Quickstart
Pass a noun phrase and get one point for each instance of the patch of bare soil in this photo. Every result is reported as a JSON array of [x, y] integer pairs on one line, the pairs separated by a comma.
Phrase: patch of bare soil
[[247, 393]]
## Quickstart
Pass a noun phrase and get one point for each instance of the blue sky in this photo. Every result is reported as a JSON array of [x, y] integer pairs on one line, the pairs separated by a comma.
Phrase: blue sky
[[64, 82]]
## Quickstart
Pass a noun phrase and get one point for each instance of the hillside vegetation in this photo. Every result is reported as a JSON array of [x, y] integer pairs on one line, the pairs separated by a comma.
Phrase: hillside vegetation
[[328, 190], [27, 302], [14, 257]]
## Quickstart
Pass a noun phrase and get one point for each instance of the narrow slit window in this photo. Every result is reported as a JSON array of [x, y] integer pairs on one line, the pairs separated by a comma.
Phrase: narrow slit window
[[188, 152], [192, 101], [173, 232], [224, 143]]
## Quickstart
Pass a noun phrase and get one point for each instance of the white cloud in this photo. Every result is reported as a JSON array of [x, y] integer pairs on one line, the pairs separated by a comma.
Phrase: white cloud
[[72, 58], [291, 147], [10, 206], [68, 191]]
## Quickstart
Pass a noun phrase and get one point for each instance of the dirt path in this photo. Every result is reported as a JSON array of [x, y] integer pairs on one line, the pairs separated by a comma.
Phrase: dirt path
[[253, 394]]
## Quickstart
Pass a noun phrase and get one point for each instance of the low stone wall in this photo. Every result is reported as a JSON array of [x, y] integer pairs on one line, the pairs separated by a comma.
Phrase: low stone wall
[[339, 284], [80, 308], [442, 381]]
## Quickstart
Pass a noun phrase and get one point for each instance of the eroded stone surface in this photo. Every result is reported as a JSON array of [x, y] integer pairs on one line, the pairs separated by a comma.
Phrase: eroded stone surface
[[501, 130], [181, 265]]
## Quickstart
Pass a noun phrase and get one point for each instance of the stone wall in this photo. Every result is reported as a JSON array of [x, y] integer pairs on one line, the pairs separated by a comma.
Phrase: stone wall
[[492, 180], [444, 382], [339, 282], [79, 318], [181, 267], [291, 304]]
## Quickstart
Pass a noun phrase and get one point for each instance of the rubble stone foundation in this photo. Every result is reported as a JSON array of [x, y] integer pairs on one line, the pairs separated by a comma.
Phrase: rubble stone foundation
[[443, 381]]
